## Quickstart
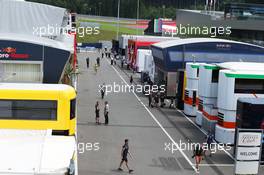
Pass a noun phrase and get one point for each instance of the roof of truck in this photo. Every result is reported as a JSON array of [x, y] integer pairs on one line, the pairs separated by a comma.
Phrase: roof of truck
[[242, 66], [172, 43], [34, 151], [256, 101]]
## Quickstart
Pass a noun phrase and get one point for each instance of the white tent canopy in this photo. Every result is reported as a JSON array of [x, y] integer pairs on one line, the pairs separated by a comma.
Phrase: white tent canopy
[[24, 17]]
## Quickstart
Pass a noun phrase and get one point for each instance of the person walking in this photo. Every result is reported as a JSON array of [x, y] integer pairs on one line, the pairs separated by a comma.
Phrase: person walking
[[156, 99], [124, 153], [171, 103], [209, 141], [150, 99], [98, 61], [97, 113], [87, 62], [102, 90], [106, 112], [95, 68], [197, 154], [122, 62], [102, 54], [115, 61], [162, 99], [131, 80], [112, 60]]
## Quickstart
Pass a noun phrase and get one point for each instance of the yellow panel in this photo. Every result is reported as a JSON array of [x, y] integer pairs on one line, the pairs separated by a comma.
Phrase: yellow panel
[[63, 98], [184, 86]]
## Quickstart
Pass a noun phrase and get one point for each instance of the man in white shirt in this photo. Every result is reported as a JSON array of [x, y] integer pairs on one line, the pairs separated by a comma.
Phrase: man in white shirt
[[106, 112]]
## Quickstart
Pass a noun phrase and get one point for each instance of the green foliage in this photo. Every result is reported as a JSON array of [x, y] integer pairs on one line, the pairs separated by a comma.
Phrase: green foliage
[[128, 8]]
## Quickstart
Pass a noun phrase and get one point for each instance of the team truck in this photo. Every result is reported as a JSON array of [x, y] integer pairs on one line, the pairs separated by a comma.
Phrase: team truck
[[38, 129], [140, 61], [208, 85], [191, 89], [149, 66], [123, 41], [234, 84]]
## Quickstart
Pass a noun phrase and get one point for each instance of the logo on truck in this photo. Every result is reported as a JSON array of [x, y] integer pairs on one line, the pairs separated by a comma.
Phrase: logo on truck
[[10, 52]]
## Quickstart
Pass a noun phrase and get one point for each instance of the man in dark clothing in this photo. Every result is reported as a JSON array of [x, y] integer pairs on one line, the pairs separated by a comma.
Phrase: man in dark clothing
[[124, 153], [131, 80], [98, 61], [150, 99], [156, 99], [97, 113], [162, 99], [102, 90], [122, 63], [209, 141], [87, 62], [102, 54]]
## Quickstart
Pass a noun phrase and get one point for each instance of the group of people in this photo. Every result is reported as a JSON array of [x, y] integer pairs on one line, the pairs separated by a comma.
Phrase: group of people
[[157, 98], [106, 107], [125, 148], [97, 64], [97, 113], [102, 91], [106, 54]]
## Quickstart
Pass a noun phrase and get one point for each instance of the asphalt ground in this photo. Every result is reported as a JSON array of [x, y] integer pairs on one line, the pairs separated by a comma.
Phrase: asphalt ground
[[155, 134]]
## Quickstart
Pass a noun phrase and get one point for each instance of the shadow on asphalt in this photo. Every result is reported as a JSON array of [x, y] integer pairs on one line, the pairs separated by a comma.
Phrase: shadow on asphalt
[[118, 171], [125, 126]]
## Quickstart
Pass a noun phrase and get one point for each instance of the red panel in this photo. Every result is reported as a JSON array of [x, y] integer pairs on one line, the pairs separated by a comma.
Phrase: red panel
[[136, 44]]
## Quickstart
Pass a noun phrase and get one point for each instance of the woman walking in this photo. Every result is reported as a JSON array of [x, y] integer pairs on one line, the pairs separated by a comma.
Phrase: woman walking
[[197, 154]]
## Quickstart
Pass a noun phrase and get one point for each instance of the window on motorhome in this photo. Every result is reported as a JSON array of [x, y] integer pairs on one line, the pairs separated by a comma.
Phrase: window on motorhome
[[215, 76], [28, 109], [143, 47], [73, 109], [249, 86]]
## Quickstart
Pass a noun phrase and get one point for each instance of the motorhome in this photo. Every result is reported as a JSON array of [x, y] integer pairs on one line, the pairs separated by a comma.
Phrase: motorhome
[[191, 89], [171, 56], [207, 93], [149, 66], [144, 44], [235, 81], [140, 61], [133, 46], [123, 41]]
